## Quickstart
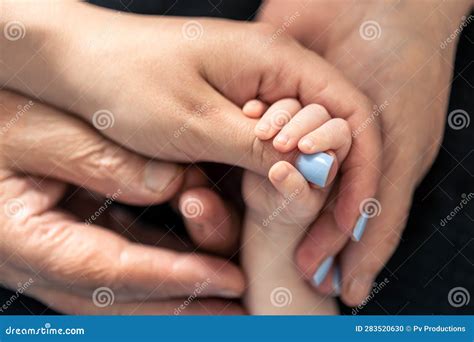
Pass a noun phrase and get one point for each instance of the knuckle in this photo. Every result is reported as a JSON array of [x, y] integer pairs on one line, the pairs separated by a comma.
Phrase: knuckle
[[98, 159]]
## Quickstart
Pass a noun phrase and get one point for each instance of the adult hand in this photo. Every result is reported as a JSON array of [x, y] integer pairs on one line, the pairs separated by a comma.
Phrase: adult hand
[[69, 259], [180, 100], [392, 53]]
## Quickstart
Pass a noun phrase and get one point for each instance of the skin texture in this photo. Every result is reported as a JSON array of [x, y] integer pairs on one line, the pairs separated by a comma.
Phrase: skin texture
[[403, 68], [49, 233], [279, 209], [153, 109]]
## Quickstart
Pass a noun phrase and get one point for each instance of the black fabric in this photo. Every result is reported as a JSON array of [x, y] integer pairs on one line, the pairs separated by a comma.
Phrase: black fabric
[[432, 259]]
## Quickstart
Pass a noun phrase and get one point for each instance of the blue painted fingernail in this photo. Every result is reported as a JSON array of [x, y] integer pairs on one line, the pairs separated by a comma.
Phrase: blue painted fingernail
[[315, 167], [359, 227], [336, 281], [322, 271]]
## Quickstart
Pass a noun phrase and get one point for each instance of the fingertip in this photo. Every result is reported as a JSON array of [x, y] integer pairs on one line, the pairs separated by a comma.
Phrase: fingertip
[[307, 146], [254, 108], [282, 143], [262, 131], [279, 172], [356, 290]]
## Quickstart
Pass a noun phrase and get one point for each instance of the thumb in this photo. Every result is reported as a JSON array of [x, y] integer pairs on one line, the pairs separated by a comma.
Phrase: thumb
[[50, 143]]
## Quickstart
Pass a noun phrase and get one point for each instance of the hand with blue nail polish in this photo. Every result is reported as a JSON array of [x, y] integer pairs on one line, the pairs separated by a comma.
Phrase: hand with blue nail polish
[[401, 87], [280, 208]]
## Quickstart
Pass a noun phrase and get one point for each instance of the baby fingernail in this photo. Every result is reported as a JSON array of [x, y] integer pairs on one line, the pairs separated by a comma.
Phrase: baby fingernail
[[322, 271], [158, 176], [359, 227], [263, 127], [315, 167], [308, 143], [282, 139], [336, 281], [281, 174]]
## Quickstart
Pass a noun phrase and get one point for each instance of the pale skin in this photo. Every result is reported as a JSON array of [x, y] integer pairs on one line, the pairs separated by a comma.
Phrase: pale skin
[[312, 253], [282, 206], [406, 67], [65, 257], [78, 58]]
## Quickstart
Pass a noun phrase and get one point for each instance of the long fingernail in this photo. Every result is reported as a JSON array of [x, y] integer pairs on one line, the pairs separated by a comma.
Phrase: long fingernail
[[315, 167], [158, 176], [322, 271], [336, 281], [359, 227]]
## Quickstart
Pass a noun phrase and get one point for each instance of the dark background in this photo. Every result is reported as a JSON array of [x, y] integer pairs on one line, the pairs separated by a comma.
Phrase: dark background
[[431, 259]]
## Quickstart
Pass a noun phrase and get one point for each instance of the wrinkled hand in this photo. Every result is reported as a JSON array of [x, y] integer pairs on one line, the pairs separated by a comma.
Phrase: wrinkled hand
[[181, 99], [392, 53], [66, 252]]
